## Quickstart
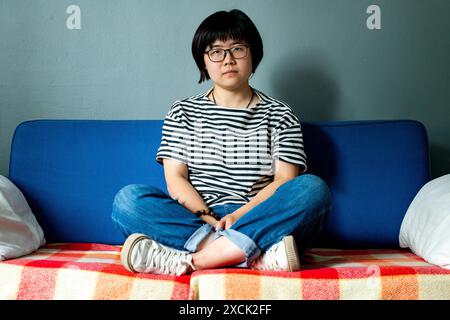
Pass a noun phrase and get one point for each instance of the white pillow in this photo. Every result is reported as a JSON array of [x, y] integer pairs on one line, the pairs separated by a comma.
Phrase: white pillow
[[20, 233], [426, 226]]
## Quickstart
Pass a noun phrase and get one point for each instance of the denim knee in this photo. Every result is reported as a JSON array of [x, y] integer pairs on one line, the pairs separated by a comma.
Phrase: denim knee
[[126, 200], [322, 191], [319, 194]]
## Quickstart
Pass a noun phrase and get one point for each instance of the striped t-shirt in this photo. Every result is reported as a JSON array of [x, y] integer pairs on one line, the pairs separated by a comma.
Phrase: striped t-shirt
[[231, 152]]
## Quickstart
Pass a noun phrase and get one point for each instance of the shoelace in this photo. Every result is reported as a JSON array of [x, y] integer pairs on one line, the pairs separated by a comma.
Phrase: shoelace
[[268, 261], [167, 261]]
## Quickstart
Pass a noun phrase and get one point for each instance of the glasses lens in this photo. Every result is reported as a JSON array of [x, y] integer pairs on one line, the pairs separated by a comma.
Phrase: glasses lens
[[217, 54], [239, 52]]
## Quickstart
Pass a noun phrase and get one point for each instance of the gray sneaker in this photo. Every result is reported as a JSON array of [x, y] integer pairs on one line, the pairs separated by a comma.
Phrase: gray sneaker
[[282, 256], [142, 254]]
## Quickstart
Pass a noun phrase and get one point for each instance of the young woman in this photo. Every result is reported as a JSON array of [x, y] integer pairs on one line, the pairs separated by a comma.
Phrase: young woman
[[235, 167]]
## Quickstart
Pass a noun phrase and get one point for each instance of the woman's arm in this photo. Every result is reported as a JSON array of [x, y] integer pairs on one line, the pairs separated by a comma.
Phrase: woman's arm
[[179, 187], [284, 172]]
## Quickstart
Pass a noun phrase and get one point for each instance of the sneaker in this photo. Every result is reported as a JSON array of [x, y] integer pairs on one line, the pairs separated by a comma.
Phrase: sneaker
[[282, 256], [142, 254]]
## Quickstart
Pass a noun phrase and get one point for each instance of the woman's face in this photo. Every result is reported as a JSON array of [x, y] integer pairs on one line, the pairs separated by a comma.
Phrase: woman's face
[[230, 73]]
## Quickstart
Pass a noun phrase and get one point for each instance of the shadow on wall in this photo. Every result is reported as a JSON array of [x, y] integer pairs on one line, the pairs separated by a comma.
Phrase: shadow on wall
[[440, 160], [305, 84]]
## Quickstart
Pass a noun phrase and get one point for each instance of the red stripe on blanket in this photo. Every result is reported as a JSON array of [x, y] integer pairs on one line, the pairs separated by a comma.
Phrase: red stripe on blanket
[[181, 288], [431, 270], [37, 284], [356, 272], [120, 270], [83, 247], [233, 270], [109, 268], [48, 264], [320, 273], [396, 270], [320, 284]]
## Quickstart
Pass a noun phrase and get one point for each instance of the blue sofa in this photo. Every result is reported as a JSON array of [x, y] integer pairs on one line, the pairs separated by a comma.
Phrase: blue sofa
[[70, 171]]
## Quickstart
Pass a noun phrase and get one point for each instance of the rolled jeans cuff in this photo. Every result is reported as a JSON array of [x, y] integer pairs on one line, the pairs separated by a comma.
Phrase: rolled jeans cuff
[[243, 242], [197, 237]]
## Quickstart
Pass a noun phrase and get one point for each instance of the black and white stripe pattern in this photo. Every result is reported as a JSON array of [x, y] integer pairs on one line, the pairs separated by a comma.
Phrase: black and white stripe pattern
[[231, 152]]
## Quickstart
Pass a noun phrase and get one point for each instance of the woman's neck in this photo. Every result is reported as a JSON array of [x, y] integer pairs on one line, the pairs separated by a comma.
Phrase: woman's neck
[[232, 98]]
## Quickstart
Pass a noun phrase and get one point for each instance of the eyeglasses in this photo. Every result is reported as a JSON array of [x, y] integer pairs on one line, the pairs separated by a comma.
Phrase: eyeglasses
[[237, 52]]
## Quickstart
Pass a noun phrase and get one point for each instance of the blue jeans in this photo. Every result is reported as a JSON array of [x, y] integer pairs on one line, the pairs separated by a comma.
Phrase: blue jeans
[[298, 207]]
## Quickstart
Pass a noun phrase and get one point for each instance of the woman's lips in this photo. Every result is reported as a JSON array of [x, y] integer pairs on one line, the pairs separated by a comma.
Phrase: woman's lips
[[230, 72]]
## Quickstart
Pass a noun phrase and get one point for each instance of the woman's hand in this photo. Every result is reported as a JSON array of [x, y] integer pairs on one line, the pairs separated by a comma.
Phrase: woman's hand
[[226, 222]]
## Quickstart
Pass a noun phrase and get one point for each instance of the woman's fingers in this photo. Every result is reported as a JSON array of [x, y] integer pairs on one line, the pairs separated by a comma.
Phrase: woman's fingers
[[220, 224], [226, 222]]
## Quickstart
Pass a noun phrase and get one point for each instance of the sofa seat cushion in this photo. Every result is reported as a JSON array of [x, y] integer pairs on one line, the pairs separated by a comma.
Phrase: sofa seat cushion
[[377, 274], [83, 271]]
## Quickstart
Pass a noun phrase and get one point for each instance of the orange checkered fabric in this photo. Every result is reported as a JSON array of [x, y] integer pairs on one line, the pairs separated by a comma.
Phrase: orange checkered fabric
[[331, 274], [83, 272], [93, 271]]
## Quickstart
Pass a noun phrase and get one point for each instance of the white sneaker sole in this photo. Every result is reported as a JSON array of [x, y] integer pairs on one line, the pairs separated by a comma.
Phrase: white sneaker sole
[[127, 248], [292, 253]]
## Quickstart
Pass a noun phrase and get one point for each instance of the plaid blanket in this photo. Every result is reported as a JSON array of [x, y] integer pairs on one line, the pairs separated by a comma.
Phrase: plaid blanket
[[93, 271], [83, 272], [329, 274]]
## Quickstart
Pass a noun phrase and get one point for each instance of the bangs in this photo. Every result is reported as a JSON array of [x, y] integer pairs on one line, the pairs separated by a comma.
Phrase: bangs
[[224, 32]]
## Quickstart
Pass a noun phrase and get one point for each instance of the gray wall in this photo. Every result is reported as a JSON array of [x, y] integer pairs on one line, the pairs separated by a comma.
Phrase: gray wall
[[131, 60]]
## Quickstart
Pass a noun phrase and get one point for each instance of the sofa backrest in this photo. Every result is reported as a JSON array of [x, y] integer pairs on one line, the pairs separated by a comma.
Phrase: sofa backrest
[[70, 171]]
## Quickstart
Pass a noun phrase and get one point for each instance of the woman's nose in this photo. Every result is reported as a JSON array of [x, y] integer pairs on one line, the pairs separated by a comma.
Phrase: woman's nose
[[228, 58]]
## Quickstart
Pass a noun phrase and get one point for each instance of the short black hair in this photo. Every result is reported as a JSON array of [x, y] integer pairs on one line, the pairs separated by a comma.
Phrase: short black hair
[[224, 25]]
